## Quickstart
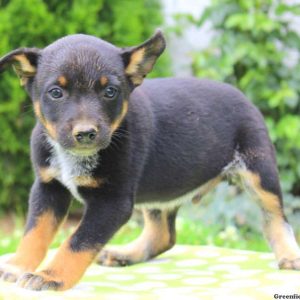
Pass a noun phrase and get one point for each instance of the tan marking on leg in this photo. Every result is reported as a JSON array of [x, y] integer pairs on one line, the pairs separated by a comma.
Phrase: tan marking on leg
[[118, 121], [47, 174], [69, 265], [62, 80], [157, 237], [89, 182], [63, 272], [277, 230], [269, 201], [103, 80], [204, 189], [157, 234], [47, 124], [34, 245]]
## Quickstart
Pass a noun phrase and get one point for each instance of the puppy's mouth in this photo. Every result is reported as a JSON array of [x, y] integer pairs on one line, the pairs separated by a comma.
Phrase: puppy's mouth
[[83, 151], [88, 150]]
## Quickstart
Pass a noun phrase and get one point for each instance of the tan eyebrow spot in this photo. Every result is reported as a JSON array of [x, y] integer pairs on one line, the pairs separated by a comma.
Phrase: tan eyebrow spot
[[103, 80], [62, 80]]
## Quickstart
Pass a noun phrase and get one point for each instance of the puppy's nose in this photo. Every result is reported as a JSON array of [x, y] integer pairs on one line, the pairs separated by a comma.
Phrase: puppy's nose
[[84, 133]]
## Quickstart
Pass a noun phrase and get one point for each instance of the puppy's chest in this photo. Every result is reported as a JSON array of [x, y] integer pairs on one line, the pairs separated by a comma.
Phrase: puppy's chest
[[74, 172]]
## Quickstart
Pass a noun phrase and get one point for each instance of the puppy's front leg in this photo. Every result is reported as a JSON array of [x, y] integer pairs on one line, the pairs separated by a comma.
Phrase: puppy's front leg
[[101, 220], [48, 204]]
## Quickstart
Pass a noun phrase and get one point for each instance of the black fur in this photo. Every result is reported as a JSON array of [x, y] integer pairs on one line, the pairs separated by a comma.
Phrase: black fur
[[176, 135]]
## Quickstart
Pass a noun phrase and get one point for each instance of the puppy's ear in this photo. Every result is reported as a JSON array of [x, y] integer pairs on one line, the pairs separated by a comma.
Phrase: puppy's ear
[[24, 62], [139, 61]]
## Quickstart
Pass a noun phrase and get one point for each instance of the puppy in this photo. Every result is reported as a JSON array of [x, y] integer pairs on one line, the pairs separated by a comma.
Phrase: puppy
[[113, 140]]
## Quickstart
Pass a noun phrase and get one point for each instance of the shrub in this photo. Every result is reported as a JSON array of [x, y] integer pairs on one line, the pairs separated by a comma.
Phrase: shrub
[[255, 48], [38, 23]]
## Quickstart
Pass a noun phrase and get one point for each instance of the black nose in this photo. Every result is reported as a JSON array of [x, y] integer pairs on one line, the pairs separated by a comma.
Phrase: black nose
[[85, 135]]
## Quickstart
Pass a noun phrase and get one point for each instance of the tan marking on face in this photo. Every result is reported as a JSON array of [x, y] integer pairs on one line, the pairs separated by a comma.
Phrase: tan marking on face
[[47, 174], [103, 80], [62, 80], [37, 109], [47, 124], [51, 129], [135, 59], [118, 121], [89, 182], [34, 245]]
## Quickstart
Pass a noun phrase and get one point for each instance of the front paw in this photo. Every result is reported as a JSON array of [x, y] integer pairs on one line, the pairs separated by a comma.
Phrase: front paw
[[290, 264], [10, 273], [39, 281]]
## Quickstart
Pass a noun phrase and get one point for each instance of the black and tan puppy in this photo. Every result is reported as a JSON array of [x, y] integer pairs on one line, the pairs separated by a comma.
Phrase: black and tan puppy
[[113, 145]]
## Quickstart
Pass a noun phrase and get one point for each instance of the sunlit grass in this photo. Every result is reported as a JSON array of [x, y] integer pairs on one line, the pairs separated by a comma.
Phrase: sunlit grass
[[188, 232], [193, 233]]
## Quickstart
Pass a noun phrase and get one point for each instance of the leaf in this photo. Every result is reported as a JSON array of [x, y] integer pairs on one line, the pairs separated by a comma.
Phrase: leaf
[[239, 20], [289, 127], [285, 8]]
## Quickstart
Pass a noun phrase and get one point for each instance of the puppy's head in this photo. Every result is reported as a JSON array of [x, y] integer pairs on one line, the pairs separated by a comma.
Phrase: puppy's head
[[80, 86]]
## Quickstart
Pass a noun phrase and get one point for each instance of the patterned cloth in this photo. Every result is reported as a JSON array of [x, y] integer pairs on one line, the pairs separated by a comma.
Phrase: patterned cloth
[[185, 272]]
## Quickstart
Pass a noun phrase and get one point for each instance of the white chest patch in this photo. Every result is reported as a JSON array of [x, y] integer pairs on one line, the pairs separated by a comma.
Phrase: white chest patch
[[71, 166]]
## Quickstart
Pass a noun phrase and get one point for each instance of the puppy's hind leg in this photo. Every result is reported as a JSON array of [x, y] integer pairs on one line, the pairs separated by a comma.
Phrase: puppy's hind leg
[[157, 237], [261, 176]]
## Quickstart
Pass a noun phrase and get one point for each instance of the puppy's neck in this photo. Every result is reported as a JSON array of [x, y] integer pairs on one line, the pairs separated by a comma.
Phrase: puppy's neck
[[77, 165]]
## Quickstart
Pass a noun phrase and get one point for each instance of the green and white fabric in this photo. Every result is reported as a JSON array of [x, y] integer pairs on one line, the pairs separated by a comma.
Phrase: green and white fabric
[[185, 272]]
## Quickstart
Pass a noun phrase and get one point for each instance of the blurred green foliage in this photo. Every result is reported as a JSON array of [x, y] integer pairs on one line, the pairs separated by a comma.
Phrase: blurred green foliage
[[255, 48], [188, 233], [38, 23]]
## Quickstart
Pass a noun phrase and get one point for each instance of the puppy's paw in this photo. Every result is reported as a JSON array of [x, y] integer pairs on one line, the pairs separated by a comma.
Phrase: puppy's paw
[[39, 281], [112, 258], [289, 264], [10, 272]]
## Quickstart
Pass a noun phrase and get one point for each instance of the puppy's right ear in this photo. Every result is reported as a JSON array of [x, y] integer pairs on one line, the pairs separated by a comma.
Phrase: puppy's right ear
[[24, 62]]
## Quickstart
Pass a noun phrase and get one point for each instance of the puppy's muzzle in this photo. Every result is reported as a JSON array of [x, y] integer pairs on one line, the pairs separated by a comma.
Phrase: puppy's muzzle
[[85, 134]]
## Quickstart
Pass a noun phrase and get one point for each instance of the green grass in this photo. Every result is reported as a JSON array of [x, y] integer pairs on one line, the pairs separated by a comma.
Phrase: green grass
[[191, 233], [188, 232]]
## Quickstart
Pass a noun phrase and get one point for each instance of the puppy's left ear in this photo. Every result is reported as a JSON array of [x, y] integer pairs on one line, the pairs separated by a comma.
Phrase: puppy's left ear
[[139, 61], [24, 62]]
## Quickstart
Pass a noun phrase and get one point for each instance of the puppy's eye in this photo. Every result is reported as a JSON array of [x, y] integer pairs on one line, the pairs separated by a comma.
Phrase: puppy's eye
[[110, 92], [56, 93]]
